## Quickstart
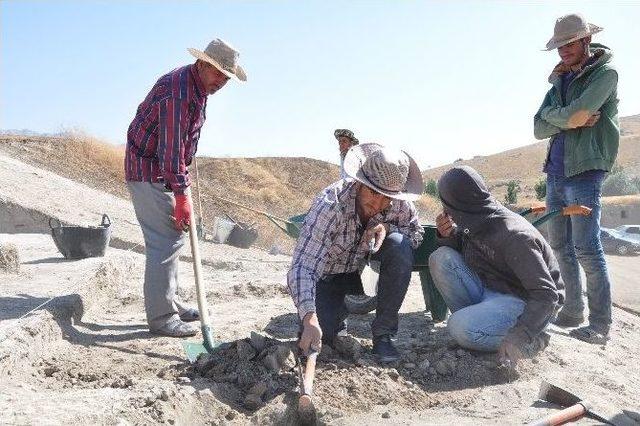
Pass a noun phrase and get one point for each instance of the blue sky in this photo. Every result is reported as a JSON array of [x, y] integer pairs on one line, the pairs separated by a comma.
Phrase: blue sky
[[442, 80]]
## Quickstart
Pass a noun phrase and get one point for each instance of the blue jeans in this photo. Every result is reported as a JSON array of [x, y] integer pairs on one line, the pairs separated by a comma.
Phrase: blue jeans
[[576, 241], [396, 261], [480, 317]]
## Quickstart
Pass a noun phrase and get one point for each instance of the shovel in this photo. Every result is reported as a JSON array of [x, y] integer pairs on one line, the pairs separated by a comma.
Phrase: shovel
[[193, 349], [575, 407]]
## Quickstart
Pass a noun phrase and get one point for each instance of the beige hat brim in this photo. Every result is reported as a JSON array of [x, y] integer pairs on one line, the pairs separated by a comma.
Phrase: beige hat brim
[[353, 168], [553, 44], [239, 75]]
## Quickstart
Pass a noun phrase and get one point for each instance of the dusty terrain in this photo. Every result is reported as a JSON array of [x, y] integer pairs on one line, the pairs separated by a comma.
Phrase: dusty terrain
[[84, 354], [87, 357]]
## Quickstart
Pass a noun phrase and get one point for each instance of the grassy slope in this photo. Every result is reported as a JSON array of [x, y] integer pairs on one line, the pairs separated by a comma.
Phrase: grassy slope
[[281, 186]]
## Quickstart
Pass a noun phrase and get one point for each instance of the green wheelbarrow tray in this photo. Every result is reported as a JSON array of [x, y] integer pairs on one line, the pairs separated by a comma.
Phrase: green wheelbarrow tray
[[291, 227]]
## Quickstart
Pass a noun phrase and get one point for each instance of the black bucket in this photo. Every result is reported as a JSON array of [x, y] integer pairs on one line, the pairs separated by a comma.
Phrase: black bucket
[[79, 242], [242, 236]]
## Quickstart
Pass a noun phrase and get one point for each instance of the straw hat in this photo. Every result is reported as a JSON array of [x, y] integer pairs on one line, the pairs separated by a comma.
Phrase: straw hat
[[222, 56], [570, 28], [388, 171]]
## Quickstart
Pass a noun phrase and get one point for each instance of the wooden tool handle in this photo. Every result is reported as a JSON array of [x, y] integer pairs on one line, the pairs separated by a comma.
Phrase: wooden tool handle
[[309, 374], [576, 209], [571, 413]]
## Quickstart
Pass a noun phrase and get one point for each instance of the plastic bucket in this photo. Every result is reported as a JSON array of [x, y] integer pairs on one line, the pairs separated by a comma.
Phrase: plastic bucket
[[222, 228], [79, 242]]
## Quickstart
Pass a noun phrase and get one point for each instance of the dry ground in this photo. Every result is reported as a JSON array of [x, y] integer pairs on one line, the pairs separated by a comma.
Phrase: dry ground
[[87, 357]]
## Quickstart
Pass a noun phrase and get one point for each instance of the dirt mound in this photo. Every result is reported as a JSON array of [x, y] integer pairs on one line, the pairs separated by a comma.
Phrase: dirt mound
[[259, 375], [9, 259]]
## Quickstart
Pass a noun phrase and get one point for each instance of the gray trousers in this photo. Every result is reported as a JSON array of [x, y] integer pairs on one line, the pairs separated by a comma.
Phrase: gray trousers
[[153, 207]]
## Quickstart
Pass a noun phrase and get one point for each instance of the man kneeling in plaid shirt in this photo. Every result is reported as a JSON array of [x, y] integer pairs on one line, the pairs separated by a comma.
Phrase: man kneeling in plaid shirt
[[373, 202]]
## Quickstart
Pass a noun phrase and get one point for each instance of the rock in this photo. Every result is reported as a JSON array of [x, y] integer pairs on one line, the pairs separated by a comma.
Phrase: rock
[[283, 352], [409, 366], [393, 373], [432, 370], [442, 367], [424, 365], [204, 393], [258, 341], [252, 402], [271, 362], [258, 389], [164, 395], [9, 258], [245, 350], [348, 346], [386, 415], [460, 353], [183, 380], [230, 415]]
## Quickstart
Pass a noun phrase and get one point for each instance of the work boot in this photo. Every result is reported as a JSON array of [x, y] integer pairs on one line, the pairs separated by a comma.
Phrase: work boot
[[175, 328], [564, 321], [384, 349]]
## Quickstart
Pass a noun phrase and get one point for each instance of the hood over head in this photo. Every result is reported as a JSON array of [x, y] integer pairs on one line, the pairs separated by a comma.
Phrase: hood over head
[[465, 197]]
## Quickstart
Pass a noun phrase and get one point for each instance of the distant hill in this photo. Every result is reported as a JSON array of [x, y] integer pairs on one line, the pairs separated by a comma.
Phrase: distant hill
[[280, 186], [524, 164]]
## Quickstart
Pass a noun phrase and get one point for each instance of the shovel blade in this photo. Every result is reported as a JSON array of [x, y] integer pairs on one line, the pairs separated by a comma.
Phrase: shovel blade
[[193, 350], [557, 395]]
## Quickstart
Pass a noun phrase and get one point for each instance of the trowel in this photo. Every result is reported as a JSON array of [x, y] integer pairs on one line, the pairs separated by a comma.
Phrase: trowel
[[370, 272]]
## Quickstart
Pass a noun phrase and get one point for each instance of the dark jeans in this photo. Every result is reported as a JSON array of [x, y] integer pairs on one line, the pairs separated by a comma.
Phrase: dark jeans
[[396, 261], [576, 241]]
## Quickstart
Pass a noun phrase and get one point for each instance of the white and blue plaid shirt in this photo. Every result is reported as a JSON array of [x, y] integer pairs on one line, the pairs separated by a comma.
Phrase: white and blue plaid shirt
[[331, 239]]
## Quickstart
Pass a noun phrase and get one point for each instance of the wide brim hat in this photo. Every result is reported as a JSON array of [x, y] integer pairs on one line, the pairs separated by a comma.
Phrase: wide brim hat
[[347, 134], [570, 28], [222, 56], [390, 172]]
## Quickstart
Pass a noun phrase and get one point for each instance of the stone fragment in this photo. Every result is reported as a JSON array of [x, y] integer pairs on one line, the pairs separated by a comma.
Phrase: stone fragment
[[258, 341], [246, 352], [424, 365], [252, 402], [258, 389], [393, 373]]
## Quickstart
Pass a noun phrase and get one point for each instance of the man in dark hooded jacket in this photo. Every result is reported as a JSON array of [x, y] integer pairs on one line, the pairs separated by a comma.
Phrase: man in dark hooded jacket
[[497, 274]]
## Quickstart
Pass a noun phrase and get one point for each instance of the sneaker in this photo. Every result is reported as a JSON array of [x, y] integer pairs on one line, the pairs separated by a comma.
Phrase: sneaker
[[589, 335], [384, 349], [567, 321], [175, 328], [190, 315]]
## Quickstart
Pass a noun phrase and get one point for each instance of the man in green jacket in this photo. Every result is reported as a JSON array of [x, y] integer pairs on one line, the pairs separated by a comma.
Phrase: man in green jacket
[[580, 115]]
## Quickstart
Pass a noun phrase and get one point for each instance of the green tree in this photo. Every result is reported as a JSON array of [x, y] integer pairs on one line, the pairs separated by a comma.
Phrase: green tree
[[541, 189], [431, 188], [618, 182], [513, 187]]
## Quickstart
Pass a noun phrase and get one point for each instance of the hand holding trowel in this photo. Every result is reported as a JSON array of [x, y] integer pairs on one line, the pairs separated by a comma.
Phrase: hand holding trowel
[[371, 271]]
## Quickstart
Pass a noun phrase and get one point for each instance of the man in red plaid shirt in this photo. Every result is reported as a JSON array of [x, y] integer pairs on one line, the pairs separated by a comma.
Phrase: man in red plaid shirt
[[161, 142]]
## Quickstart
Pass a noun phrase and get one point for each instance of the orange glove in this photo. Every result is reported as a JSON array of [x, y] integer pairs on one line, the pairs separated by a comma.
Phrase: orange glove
[[182, 212]]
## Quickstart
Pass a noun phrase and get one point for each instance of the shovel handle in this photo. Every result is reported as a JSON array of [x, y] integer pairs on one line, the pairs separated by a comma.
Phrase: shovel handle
[[571, 413]]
